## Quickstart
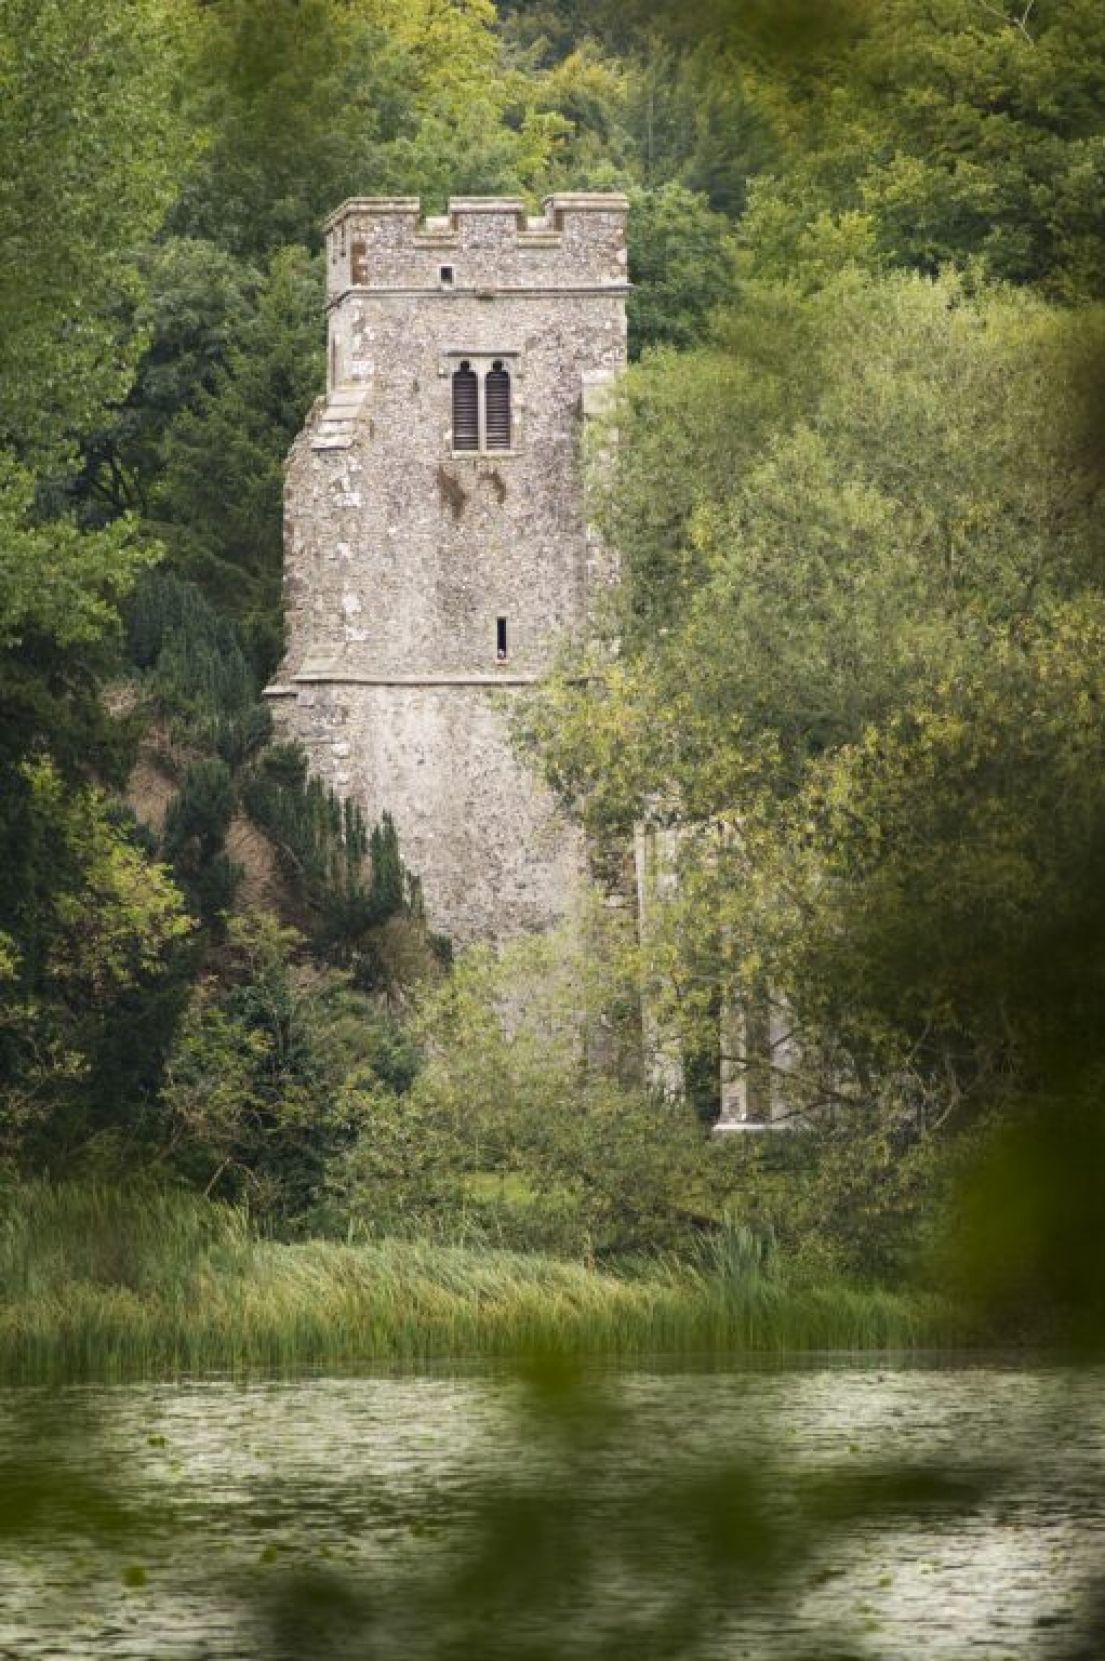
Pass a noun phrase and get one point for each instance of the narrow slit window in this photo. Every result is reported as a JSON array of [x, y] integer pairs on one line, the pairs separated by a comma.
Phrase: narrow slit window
[[500, 639], [358, 264], [497, 395], [466, 408]]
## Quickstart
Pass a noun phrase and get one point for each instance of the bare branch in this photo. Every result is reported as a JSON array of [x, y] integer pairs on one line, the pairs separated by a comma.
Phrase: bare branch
[[1018, 23]]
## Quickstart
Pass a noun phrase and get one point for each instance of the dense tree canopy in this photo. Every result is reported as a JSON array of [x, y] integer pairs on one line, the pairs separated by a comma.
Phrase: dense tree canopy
[[962, 132]]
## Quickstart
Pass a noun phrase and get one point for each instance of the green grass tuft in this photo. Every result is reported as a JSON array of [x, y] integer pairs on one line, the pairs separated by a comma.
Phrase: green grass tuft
[[100, 1283]]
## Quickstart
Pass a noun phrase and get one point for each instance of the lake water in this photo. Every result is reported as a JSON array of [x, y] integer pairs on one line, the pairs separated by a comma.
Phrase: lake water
[[804, 1521]]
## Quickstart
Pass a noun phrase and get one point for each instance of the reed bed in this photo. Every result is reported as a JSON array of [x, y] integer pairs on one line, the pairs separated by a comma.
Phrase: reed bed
[[97, 1283]]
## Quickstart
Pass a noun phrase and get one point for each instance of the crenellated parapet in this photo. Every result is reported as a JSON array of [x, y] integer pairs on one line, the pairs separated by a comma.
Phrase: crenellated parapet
[[483, 245]]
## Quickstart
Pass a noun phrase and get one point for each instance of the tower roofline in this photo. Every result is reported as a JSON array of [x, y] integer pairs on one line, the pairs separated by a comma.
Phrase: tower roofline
[[372, 204], [410, 207]]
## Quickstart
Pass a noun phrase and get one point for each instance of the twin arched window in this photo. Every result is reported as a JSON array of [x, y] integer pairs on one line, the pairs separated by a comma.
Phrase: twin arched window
[[482, 414]]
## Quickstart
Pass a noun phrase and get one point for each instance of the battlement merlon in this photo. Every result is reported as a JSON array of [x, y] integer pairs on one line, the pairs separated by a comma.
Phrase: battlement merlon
[[483, 245]]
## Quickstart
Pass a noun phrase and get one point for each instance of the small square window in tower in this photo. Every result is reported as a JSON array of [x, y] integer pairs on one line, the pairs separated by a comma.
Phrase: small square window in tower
[[466, 408], [497, 399]]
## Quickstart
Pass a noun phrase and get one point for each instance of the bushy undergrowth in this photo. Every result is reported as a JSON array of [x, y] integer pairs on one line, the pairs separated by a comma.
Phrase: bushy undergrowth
[[113, 1283]]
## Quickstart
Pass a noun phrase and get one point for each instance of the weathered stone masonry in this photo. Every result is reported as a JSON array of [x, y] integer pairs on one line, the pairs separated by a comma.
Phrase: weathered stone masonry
[[408, 560]]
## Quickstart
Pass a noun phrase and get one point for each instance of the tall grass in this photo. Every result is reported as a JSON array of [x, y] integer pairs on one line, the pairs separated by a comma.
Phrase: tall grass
[[100, 1283]]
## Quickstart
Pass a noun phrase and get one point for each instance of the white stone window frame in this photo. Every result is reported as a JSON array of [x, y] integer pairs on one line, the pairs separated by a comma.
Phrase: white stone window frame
[[481, 362]]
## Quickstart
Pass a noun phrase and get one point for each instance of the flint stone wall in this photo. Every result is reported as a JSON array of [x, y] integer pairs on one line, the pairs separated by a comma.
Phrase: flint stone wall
[[401, 556]]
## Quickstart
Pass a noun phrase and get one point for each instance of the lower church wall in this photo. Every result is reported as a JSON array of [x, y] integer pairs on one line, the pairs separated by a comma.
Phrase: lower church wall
[[496, 856]]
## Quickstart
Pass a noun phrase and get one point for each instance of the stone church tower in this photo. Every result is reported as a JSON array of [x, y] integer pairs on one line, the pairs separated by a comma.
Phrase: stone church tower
[[436, 544]]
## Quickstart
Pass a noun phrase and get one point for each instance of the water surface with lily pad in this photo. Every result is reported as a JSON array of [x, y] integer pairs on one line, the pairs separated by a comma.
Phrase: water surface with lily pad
[[838, 1507]]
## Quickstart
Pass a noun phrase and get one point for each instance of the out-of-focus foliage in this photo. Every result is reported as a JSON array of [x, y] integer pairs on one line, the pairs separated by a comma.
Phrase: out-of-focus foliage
[[608, 1555]]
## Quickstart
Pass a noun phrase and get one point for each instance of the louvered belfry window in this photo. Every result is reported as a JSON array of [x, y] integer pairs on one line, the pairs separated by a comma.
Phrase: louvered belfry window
[[497, 399], [483, 406], [466, 408]]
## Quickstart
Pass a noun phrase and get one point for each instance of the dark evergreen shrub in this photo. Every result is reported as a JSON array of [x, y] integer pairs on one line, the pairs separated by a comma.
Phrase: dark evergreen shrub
[[352, 880], [197, 670], [196, 827]]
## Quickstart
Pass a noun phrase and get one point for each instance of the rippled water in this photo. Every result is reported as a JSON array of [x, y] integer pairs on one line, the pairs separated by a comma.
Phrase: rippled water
[[233, 1484]]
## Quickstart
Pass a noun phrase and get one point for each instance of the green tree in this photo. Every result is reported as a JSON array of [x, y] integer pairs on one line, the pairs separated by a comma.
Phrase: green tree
[[588, 95], [539, 1146], [218, 502], [264, 1088], [90, 954], [363, 907], [298, 102], [681, 262], [196, 828], [90, 142], [860, 539], [195, 303], [196, 672], [308, 103], [964, 132]]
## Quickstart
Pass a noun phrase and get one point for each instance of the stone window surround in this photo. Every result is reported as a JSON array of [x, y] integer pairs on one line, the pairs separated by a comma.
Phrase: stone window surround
[[481, 361]]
